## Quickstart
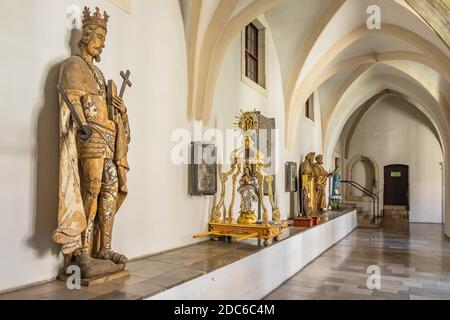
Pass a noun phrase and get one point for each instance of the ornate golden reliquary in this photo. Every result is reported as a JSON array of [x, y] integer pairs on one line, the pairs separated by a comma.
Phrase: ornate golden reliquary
[[247, 164]]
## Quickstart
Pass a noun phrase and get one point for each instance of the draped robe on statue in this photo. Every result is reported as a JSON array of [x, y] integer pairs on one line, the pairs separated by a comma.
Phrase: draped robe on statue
[[320, 177], [308, 186], [77, 80]]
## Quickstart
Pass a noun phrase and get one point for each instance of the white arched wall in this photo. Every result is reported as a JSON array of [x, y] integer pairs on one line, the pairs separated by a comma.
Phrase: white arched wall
[[395, 59], [363, 90], [359, 33], [375, 173], [362, 173], [406, 78], [353, 15], [369, 103], [305, 47], [360, 92], [322, 70], [221, 31], [393, 131]]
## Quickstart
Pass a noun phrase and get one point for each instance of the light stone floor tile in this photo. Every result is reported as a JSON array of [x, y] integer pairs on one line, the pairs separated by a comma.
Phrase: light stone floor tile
[[414, 260], [415, 284], [415, 297]]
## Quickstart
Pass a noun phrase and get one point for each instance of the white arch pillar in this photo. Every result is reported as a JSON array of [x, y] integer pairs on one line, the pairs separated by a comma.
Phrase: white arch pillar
[[443, 191], [446, 198]]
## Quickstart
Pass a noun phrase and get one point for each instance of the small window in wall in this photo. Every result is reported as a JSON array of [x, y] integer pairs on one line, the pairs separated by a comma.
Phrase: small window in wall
[[251, 52], [309, 108], [254, 55]]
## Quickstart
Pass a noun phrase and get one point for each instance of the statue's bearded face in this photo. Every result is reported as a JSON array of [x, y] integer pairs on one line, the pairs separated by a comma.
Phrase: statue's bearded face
[[96, 43], [319, 159]]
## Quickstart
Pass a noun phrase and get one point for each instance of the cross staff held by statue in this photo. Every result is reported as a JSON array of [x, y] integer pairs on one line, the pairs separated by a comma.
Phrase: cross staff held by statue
[[126, 82], [112, 90]]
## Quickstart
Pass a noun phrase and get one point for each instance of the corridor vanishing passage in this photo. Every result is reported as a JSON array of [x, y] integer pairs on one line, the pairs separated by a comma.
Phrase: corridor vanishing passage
[[413, 259]]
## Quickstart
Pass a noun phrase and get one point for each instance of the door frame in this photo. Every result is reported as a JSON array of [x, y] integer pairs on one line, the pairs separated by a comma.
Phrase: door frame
[[349, 176], [408, 200]]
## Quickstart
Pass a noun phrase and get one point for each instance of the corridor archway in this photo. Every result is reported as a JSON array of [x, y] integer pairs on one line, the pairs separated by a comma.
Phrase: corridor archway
[[364, 171]]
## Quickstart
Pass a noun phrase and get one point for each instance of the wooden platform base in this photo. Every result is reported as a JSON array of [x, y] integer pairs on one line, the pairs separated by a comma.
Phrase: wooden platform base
[[244, 231], [316, 220], [306, 222], [98, 280], [303, 222]]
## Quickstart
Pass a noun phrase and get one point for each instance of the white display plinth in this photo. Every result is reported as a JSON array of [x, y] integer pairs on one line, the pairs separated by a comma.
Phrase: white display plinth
[[255, 276]]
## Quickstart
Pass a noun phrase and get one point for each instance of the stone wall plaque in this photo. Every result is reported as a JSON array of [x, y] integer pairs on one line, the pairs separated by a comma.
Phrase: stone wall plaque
[[265, 142], [291, 181], [202, 169]]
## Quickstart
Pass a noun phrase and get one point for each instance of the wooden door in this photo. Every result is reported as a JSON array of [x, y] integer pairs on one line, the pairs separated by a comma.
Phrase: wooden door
[[396, 185]]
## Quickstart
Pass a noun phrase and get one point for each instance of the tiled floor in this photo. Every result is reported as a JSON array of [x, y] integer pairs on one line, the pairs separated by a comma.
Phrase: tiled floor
[[414, 260]]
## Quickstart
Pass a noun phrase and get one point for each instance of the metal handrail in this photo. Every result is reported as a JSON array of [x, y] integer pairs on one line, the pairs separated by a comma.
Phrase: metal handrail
[[356, 184], [375, 198]]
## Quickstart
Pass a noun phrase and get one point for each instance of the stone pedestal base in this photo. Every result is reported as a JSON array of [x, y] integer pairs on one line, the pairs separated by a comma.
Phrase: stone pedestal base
[[97, 280]]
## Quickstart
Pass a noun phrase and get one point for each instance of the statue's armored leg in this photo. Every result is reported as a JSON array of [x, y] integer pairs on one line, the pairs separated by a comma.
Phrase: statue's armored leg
[[107, 211], [92, 172]]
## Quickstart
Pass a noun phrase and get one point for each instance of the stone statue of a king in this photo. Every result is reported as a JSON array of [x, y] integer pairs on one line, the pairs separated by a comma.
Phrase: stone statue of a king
[[93, 156]]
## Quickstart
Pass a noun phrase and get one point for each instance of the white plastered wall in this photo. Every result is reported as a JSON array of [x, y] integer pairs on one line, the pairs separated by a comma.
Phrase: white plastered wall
[[395, 132]]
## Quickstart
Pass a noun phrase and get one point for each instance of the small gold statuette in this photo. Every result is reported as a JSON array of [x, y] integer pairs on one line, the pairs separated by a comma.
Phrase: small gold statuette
[[247, 165]]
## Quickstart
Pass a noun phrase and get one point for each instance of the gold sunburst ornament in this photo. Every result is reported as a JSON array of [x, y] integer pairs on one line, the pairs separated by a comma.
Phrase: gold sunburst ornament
[[247, 121]]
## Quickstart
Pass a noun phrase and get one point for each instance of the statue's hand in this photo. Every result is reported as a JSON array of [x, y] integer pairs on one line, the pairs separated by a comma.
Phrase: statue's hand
[[119, 104]]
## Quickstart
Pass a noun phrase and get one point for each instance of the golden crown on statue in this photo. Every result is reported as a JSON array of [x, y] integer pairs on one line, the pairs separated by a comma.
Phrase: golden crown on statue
[[94, 19]]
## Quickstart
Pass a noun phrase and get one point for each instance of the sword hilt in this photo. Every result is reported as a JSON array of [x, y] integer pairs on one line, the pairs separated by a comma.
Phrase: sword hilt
[[84, 132]]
